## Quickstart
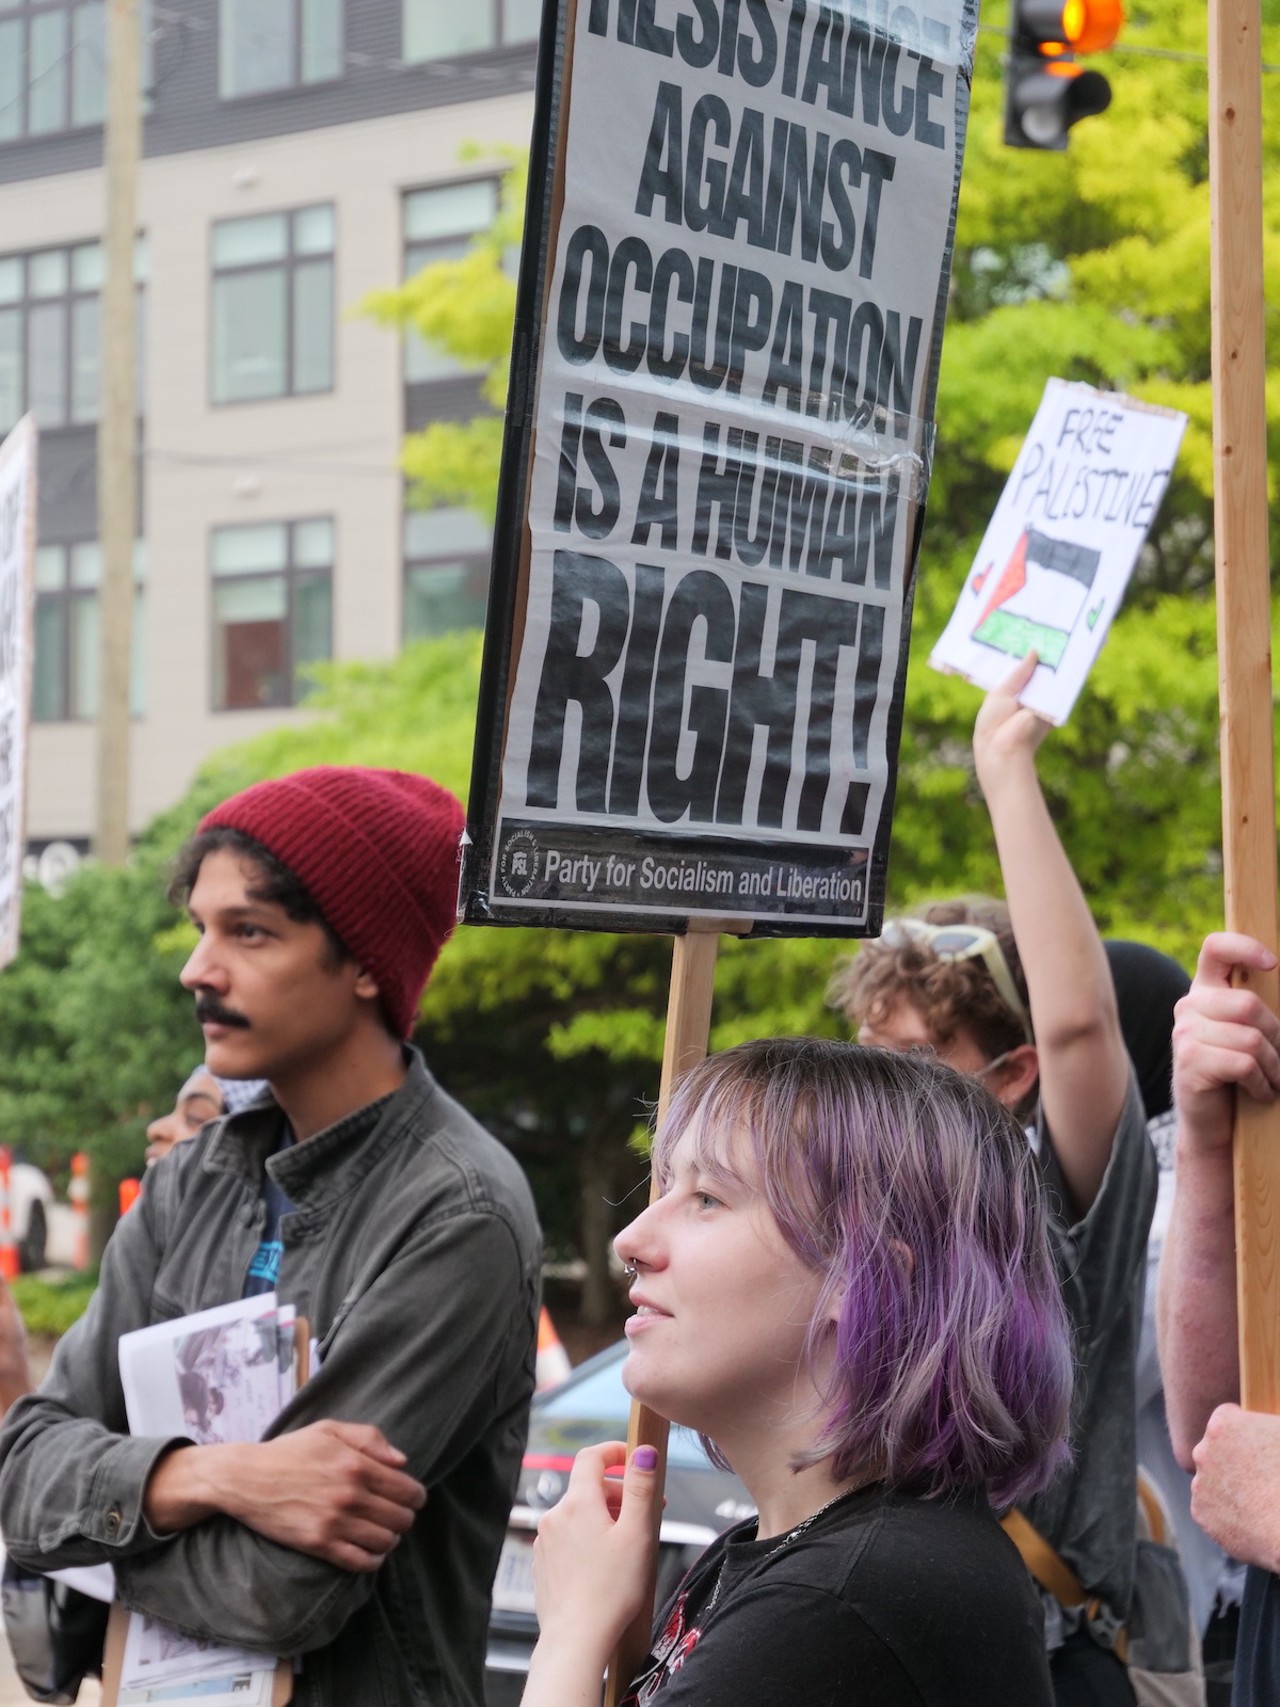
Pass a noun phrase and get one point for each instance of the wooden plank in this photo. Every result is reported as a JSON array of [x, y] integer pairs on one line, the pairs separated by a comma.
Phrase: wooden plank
[[1244, 638], [693, 969]]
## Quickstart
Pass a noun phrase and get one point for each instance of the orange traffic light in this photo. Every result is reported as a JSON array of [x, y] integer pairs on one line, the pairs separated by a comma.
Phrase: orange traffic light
[[1091, 25], [1046, 91]]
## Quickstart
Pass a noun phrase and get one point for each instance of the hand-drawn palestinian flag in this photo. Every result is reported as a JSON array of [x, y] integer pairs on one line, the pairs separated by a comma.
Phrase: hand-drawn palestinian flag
[[1051, 577]]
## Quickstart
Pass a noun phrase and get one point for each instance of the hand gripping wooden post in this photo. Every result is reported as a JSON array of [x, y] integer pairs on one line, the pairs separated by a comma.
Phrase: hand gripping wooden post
[[693, 970], [1244, 639]]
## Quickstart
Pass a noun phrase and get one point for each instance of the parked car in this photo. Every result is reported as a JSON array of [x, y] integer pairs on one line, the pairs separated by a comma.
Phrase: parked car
[[593, 1405]]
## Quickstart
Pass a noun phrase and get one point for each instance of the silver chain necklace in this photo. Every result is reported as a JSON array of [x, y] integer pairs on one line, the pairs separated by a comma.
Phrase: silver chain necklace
[[783, 1541]]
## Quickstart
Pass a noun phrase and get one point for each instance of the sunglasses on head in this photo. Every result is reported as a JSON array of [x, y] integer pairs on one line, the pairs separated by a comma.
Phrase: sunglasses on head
[[964, 942]]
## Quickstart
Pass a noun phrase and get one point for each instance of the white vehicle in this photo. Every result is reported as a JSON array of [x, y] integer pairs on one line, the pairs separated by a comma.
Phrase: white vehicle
[[31, 1209]]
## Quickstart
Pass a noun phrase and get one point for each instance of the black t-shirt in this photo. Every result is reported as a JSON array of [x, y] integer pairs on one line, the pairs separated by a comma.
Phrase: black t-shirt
[[885, 1601], [1257, 1682], [1087, 1511]]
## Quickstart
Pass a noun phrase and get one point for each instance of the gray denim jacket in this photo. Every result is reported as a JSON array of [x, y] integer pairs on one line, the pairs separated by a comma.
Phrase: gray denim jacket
[[414, 1254]]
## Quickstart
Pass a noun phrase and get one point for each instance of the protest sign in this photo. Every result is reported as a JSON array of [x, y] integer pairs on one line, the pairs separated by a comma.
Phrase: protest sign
[[717, 455], [17, 583], [1056, 558]]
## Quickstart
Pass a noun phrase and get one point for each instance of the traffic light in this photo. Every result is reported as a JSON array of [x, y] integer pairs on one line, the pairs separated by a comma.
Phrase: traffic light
[[1045, 90]]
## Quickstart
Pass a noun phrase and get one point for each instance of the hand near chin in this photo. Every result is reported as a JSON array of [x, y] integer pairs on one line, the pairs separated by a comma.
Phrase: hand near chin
[[594, 1553]]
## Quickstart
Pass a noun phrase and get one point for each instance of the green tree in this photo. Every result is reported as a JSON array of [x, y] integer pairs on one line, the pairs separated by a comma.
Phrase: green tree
[[1090, 265], [95, 1032]]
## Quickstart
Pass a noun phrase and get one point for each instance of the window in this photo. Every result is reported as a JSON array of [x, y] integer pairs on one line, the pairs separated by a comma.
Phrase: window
[[53, 65], [438, 226], [273, 305], [446, 551], [272, 611], [446, 572], [68, 632], [49, 334], [442, 29], [276, 44]]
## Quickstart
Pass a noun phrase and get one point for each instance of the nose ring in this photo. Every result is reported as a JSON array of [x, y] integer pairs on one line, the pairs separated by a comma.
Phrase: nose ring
[[630, 1273]]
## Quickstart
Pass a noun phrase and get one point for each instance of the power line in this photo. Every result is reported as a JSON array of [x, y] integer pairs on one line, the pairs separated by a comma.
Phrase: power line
[[1177, 56], [84, 44], [32, 83], [458, 71], [450, 70], [447, 68], [319, 462], [291, 462]]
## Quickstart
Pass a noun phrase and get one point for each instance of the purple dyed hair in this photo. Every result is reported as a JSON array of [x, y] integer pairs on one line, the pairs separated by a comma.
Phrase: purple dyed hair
[[951, 1367]]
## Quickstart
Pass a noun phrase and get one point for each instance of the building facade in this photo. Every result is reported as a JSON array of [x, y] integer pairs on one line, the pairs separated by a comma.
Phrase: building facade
[[298, 154]]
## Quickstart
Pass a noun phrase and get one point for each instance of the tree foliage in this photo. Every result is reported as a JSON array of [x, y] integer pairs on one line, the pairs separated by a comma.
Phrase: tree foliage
[[95, 1033], [1090, 265]]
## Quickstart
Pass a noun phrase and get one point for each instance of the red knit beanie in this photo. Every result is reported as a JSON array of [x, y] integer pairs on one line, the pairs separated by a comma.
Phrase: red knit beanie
[[378, 851]]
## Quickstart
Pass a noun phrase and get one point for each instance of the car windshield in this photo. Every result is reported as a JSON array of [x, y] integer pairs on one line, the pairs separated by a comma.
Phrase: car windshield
[[601, 1396]]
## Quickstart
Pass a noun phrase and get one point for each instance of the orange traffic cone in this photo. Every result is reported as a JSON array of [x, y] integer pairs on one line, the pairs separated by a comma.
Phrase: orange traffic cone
[[9, 1265], [130, 1191], [78, 1192], [553, 1360]]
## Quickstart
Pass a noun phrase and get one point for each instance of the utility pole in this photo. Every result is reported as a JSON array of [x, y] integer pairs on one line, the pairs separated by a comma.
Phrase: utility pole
[[117, 430]]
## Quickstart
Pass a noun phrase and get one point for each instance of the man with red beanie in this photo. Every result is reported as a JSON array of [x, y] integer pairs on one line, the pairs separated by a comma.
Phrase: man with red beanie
[[363, 1533]]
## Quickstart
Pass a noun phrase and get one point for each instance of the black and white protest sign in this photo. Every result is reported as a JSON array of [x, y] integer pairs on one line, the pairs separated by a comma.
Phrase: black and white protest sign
[[716, 461], [17, 583]]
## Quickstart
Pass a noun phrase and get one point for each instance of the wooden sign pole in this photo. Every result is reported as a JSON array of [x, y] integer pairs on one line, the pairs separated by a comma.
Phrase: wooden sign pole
[[1244, 639], [693, 970]]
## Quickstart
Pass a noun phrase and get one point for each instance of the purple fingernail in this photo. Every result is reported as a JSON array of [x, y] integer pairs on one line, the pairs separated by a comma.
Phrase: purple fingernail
[[645, 1458]]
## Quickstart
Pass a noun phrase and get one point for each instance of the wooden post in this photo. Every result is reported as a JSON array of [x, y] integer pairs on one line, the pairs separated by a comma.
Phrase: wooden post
[[1244, 639], [693, 969], [117, 472]]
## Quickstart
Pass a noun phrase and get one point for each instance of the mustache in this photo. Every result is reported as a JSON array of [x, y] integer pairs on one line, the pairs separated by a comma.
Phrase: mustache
[[211, 1012]]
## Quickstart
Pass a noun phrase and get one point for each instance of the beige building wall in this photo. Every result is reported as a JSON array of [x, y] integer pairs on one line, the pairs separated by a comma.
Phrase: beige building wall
[[279, 460]]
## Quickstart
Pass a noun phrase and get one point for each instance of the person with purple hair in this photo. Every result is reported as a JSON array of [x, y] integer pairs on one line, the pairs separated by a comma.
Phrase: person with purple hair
[[846, 1287]]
